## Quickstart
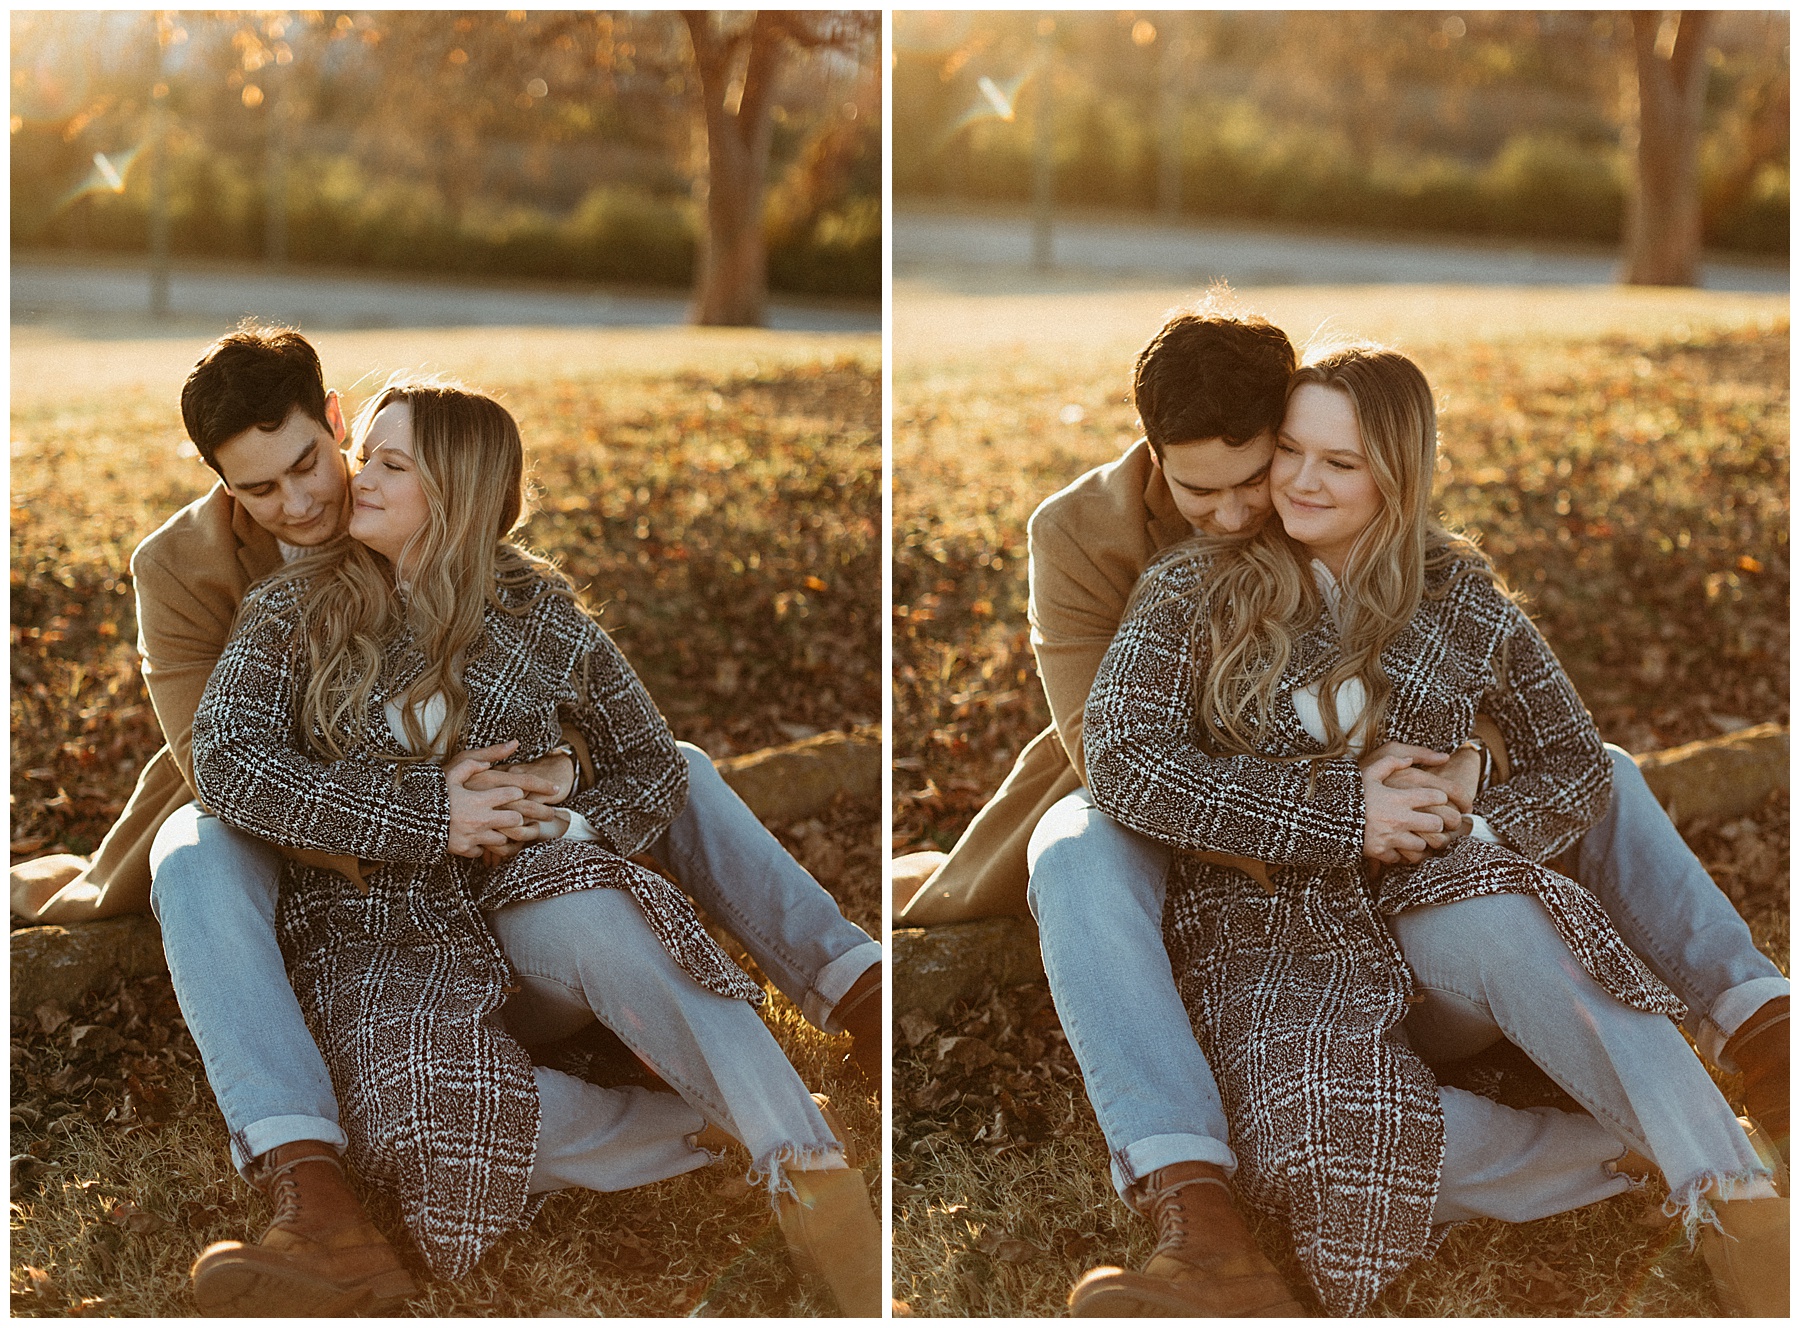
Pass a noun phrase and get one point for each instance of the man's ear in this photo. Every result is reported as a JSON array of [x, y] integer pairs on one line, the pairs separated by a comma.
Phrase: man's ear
[[334, 416]]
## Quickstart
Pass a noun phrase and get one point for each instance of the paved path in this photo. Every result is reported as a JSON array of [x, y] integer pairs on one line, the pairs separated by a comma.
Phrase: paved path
[[45, 292], [976, 254]]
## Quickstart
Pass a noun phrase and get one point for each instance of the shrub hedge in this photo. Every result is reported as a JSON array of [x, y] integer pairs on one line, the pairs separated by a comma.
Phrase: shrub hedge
[[1238, 165], [338, 214]]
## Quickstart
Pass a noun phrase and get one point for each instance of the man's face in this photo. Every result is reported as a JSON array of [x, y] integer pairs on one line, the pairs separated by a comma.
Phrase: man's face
[[292, 481], [1220, 489]]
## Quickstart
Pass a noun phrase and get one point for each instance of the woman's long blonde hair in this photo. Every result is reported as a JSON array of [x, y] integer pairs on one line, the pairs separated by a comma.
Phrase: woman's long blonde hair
[[471, 465], [1262, 595]]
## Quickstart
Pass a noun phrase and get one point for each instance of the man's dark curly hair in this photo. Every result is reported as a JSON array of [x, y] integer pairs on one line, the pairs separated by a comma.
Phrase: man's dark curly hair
[[251, 378], [1210, 374]]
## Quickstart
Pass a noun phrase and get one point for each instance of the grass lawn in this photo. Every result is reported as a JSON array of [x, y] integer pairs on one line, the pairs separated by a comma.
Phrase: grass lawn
[[1623, 455], [718, 495]]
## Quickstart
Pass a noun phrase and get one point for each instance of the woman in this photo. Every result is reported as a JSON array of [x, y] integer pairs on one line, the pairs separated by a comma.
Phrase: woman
[[1229, 716], [351, 678]]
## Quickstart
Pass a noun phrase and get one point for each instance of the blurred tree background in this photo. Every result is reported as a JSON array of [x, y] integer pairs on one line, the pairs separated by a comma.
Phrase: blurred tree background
[[568, 145], [1499, 124]]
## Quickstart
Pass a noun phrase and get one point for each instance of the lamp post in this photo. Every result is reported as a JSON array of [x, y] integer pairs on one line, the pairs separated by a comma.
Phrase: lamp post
[[1043, 166]]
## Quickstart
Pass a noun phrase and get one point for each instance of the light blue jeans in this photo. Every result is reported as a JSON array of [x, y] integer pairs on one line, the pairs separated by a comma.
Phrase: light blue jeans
[[591, 955], [1097, 894], [214, 889]]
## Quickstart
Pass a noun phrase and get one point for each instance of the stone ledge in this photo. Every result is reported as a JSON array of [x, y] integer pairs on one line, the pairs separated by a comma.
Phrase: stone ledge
[[63, 964], [935, 967], [779, 784], [1727, 776], [796, 781]]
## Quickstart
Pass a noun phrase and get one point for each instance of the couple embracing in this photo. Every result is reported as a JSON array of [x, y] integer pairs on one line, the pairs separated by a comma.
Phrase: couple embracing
[[1318, 811], [399, 835]]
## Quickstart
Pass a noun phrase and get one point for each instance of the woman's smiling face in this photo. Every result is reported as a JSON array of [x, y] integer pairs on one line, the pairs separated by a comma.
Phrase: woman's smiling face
[[390, 500], [1323, 488]]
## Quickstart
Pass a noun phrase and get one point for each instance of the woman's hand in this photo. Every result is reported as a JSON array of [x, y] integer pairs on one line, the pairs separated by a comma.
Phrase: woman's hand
[[1457, 776], [553, 823], [480, 817], [1403, 824]]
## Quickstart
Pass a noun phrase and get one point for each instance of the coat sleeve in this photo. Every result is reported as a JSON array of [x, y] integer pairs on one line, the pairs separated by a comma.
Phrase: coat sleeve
[[1146, 771], [640, 777], [250, 769], [1074, 610], [1560, 778], [180, 636]]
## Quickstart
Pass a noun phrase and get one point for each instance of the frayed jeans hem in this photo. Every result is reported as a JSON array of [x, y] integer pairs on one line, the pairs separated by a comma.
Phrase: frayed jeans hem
[[1693, 1203], [771, 1172]]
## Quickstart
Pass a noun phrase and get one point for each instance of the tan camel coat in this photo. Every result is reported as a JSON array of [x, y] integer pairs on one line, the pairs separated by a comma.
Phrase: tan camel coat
[[189, 577], [1088, 545]]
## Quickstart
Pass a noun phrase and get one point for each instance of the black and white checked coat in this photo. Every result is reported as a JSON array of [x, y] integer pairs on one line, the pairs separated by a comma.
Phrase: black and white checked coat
[[1296, 996], [403, 987]]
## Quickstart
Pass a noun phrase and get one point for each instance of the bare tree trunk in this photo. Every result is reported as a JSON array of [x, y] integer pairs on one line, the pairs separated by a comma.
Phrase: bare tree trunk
[[731, 287], [1662, 222]]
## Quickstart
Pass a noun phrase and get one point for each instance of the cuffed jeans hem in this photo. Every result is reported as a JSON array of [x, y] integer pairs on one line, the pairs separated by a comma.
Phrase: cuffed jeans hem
[[1729, 1014], [1134, 1162], [836, 978], [259, 1137]]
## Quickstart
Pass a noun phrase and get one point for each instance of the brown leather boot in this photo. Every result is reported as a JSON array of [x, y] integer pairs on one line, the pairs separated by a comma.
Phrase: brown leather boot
[[1760, 1051], [321, 1256], [859, 1015], [1205, 1262]]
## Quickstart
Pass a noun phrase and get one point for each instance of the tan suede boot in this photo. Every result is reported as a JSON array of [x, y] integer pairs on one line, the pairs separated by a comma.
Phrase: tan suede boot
[[321, 1256], [1749, 1261], [833, 1234], [1204, 1264], [831, 1228]]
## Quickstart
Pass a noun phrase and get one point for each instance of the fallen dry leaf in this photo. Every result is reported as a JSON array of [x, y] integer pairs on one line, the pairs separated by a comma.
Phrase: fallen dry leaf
[[51, 1016], [124, 1213], [915, 1027], [1015, 1251]]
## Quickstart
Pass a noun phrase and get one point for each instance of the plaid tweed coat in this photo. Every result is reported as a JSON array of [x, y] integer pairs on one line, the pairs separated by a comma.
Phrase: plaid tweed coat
[[1296, 996], [403, 987]]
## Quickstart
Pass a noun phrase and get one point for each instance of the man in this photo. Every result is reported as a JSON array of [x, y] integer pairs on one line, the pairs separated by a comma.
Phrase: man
[[1211, 390], [257, 410]]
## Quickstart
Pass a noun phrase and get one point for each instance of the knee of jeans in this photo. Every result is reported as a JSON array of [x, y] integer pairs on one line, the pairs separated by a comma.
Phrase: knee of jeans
[[1627, 779], [199, 877], [1486, 932], [699, 764], [1055, 878]]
